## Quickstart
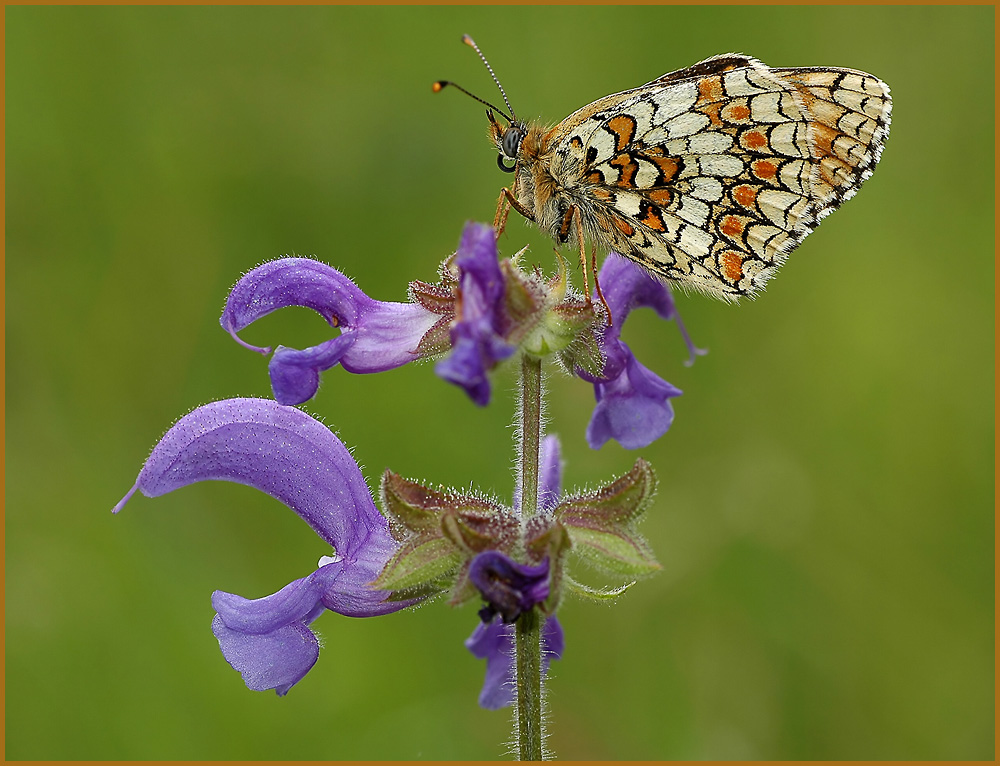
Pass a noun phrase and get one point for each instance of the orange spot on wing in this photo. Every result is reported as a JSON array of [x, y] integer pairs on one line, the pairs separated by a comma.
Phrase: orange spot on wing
[[628, 167], [764, 169], [661, 197], [712, 112], [602, 194], [623, 127], [623, 226], [737, 112], [653, 220], [754, 140], [709, 89], [821, 140], [731, 226], [669, 167], [732, 266], [745, 195]]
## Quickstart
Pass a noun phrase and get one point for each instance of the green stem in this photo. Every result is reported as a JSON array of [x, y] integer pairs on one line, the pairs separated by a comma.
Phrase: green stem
[[529, 687], [528, 651], [529, 432]]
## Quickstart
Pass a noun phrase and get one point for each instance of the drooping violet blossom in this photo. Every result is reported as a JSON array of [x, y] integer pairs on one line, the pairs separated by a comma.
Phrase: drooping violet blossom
[[633, 407], [288, 455], [633, 403], [477, 335], [375, 335], [494, 642], [517, 588]]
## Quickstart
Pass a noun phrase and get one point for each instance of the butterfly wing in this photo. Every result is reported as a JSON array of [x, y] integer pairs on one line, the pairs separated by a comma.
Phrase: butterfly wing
[[710, 175]]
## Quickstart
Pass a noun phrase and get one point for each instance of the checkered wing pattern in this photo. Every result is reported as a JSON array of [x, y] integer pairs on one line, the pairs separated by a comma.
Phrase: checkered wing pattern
[[711, 175]]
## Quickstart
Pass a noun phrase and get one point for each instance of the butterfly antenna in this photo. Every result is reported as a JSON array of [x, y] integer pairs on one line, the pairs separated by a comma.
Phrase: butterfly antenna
[[442, 84], [472, 44]]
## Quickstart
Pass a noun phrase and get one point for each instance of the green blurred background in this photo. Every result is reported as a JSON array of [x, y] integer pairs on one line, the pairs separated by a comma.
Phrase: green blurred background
[[825, 510]]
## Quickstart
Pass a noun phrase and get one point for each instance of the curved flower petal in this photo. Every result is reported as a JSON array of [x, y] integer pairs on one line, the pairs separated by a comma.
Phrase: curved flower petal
[[296, 602], [633, 404], [293, 282], [628, 286], [634, 408], [466, 366], [494, 642], [279, 450], [295, 374], [268, 639], [297, 460], [477, 336], [378, 335], [276, 660]]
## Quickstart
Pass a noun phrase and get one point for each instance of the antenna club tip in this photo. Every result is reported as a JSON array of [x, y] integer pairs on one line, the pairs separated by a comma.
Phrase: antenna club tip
[[439, 86], [468, 41]]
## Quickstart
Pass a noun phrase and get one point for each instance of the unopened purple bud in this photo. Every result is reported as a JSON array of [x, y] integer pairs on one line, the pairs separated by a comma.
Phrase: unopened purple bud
[[509, 588]]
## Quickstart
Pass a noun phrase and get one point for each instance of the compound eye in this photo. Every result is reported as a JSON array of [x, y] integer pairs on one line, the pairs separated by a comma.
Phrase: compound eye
[[512, 140]]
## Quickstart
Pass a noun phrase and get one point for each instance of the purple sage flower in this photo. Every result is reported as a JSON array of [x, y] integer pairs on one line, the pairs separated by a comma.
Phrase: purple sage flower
[[375, 335], [494, 642], [633, 403], [509, 588], [525, 586], [477, 336], [288, 455], [500, 309]]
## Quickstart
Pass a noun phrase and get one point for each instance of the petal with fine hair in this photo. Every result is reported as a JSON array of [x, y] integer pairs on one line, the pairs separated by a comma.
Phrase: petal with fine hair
[[377, 335], [278, 450]]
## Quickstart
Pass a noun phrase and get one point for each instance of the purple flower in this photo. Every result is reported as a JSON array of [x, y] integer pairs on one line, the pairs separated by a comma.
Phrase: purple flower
[[494, 642], [509, 588], [519, 587], [375, 335], [500, 309], [295, 459], [633, 403], [477, 336]]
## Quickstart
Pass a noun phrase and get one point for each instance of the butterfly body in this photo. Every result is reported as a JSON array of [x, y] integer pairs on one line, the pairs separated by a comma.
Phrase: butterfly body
[[707, 177]]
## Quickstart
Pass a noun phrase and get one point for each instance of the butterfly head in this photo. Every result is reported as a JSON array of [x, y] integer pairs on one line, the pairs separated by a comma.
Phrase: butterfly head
[[507, 139]]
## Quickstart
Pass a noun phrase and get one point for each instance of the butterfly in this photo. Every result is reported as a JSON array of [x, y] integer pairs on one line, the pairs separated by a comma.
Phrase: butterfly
[[707, 177]]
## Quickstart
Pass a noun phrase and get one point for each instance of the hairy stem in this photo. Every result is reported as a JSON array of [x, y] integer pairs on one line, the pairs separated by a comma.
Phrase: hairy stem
[[529, 432], [529, 686], [528, 652]]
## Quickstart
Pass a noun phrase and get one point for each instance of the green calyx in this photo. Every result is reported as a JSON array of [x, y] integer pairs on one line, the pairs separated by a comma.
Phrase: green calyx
[[439, 533], [602, 524]]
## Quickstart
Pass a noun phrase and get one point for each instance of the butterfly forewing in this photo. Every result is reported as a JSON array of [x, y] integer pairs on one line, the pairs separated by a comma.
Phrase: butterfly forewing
[[710, 175]]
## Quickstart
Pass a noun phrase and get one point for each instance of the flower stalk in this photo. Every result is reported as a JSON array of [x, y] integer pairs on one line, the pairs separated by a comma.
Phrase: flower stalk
[[529, 687], [528, 626]]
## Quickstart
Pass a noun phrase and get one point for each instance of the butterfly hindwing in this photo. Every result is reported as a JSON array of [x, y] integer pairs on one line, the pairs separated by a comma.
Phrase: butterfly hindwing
[[710, 175]]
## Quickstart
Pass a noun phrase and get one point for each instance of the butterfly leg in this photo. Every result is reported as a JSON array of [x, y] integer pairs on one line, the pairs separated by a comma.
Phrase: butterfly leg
[[504, 204], [503, 208], [573, 215]]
